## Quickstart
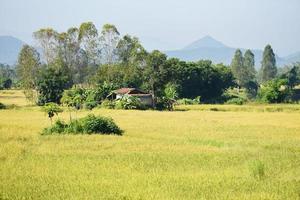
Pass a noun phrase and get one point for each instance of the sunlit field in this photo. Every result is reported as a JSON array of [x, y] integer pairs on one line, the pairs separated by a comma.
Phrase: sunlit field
[[196, 152]]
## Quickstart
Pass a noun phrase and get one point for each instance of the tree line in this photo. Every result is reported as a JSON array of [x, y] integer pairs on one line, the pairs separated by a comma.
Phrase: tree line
[[87, 57]]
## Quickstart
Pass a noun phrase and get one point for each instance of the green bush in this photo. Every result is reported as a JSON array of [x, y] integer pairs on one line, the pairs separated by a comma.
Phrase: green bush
[[90, 105], [51, 84], [236, 101], [93, 124], [108, 104], [128, 103], [168, 98], [275, 91], [90, 124], [74, 97], [2, 106], [186, 101], [51, 109], [58, 127], [237, 94]]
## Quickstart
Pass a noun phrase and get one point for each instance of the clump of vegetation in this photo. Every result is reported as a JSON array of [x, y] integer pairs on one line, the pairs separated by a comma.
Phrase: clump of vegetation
[[187, 101], [90, 124], [168, 98], [257, 169], [128, 103], [236, 101], [51, 84], [52, 109], [2, 106], [108, 104], [7, 76], [274, 91], [88, 98], [235, 96]]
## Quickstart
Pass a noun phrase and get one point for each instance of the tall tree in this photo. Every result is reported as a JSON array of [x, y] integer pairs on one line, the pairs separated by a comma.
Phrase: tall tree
[[27, 69], [109, 41], [237, 65], [71, 55], [268, 64], [51, 83], [131, 52], [89, 40], [7, 76], [47, 40], [249, 67], [153, 71]]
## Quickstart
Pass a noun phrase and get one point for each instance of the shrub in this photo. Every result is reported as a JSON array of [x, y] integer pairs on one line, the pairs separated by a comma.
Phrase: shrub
[[168, 98], [274, 91], [2, 106], [90, 105], [186, 101], [93, 124], [90, 100], [74, 97], [103, 90], [90, 124], [51, 109], [51, 84], [128, 102], [236, 101], [108, 104], [58, 127], [235, 93]]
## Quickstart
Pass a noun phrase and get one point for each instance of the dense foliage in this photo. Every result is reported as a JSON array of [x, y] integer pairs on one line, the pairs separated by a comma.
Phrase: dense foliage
[[275, 91], [50, 85], [2, 106], [7, 76], [128, 103], [97, 62], [268, 65], [90, 124], [51, 109]]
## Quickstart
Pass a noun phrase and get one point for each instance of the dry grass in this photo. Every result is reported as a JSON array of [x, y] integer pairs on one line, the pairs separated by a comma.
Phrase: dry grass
[[195, 154]]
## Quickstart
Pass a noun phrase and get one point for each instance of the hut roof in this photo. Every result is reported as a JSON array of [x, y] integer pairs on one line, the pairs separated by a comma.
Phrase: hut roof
[[133, 91]]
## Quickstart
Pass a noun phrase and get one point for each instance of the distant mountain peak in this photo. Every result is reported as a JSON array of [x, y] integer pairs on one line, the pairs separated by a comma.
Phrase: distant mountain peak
[[9, 49], [205, 42]]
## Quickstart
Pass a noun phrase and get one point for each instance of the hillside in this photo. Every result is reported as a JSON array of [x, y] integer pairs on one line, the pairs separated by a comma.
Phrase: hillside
[[293, 58], [209, 48], [9, 49]]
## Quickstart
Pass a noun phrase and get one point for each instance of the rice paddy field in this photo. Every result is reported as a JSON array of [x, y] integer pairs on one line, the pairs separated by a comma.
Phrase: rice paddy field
[[196, 152]]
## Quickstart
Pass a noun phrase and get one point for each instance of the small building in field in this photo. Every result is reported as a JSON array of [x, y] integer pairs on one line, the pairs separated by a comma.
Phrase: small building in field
[[145, 98]]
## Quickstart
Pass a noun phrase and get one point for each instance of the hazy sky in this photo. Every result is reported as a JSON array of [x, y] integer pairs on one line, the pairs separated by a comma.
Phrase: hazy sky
[[165, 24]]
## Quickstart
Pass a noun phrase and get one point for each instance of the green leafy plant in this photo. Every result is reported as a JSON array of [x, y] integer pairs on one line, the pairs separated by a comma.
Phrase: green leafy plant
[[2, 106], [51, 109], [108, 104], [128, 102], [90, 124], [186, 101], [168, 99], [236, 101], [274, 91]]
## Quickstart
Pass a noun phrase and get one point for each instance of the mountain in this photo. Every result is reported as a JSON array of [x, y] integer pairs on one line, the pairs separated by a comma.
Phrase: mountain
[[211, 49], [9, 49], [293, 58], [205, 42]]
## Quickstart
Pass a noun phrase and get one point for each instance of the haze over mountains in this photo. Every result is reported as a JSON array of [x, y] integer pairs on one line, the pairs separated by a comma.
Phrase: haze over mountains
[[209, 48], [9, 49], [204, 48]]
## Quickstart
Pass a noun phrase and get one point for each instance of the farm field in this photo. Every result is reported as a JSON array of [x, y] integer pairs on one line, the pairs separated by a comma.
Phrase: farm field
[[196, 152]]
